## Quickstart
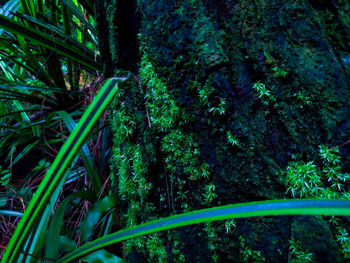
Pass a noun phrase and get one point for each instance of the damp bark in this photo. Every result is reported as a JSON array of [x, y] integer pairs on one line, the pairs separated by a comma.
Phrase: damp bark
[[198, 63]]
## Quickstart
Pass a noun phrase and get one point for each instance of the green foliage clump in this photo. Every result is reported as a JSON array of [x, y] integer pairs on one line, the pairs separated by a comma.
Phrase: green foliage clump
[[299, 254], [207, 97], [199, 66], [325, 181], [344, 241], [132, 181], [279, 72], [176, 246], [204, 93], [162, 107], [328, 181], [182, 149], [212, 240], [156, 249], [131, 160], [232, 139], [264, 94], [303, 99], [230, 225], [303, 179], [248, 254]]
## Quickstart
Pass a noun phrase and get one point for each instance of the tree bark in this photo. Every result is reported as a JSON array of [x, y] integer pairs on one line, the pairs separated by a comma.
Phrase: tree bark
[[191, 132]]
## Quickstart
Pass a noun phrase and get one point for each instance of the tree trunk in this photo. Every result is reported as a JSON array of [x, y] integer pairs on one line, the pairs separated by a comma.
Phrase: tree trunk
[[226, 94]]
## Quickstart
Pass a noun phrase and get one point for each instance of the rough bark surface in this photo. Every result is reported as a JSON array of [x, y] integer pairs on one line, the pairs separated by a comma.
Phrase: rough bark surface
[[191, 132]]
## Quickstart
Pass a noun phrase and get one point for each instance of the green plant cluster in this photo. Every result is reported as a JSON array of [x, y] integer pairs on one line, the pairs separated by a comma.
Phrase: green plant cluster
[[163, 111], [298, 253], [311, 180], [131, 161], [248, 254], [264, 94], [49, 72], [40, 78], [324, 180], [226, 94], [344, 240]]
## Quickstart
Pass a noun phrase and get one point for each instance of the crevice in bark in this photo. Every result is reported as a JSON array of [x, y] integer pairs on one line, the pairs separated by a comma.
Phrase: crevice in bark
[[127, 22], [103, 36]]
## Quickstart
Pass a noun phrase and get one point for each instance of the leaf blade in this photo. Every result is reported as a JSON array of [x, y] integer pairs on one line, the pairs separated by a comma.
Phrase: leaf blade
[[262, 208], [56, 175], [46, 41]]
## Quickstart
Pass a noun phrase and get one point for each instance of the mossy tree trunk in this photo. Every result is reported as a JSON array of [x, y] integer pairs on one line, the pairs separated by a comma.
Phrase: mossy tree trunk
[[226, 93]]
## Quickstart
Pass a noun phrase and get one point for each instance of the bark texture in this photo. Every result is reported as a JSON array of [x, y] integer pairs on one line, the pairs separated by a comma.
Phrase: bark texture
[[192, 130]]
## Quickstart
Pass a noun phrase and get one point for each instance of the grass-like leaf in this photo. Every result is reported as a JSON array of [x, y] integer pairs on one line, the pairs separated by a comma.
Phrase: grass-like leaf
[[11, 213], [94, 214], [85, 153], [75, 10], [88, 6], [262, 208], [47, 41], [102, 256], [56, 175], [53, 235], [8, 8]]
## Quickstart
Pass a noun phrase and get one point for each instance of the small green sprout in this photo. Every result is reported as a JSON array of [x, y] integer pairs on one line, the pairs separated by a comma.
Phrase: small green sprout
[[279, 73], [204, 93], [232, 139], [330, 155], [229, 225], [220, 109], [264, 94], [209, 194], [303, 99]]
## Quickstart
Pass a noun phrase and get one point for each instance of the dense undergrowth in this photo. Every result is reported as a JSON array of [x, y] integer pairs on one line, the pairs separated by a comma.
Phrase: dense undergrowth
[[228, 102]]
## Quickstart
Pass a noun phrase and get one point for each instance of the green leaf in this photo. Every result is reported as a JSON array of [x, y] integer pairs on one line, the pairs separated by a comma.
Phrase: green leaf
[[66, 244], [10, 213], [3, 201], [56, 174], [53, 235], [9, 7], [88, 6], [38, 236], [102, 256], [262, 208], [74, 9], [47, 41], [25, 151], [94, 214], [104, 150], [85, 153], [59, 34]]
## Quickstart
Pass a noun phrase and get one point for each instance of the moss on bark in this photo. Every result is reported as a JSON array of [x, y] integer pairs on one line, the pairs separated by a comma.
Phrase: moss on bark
[[193, 130]]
